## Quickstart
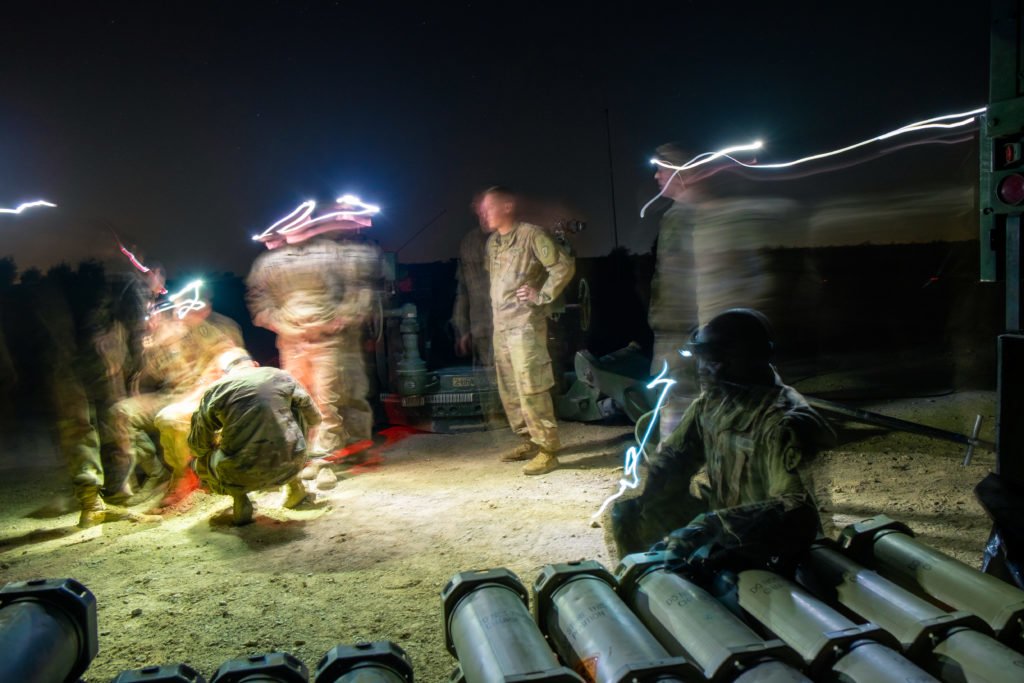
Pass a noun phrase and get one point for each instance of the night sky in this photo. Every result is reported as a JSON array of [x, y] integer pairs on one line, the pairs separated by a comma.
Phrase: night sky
[[187, 127]]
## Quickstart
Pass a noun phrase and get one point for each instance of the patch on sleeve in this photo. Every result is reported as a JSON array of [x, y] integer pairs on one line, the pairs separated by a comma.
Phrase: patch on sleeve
[[545, 250]]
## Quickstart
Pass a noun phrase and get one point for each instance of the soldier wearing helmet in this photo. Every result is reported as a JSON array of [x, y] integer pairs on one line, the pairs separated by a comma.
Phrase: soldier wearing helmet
[[752, 434]]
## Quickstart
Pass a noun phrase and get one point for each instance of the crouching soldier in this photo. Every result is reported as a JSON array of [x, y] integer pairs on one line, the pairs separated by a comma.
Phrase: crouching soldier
[[249, 433]]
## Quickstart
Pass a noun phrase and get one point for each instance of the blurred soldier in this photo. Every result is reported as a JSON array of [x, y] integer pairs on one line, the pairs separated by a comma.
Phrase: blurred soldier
[[179, 362], [94, 322], [471, 316], [527, 272], [673, 309], [752, 433], [316, 294], [249, 433]]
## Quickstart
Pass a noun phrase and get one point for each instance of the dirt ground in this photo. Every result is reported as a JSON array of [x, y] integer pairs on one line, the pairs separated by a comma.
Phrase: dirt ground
[[368, 559]]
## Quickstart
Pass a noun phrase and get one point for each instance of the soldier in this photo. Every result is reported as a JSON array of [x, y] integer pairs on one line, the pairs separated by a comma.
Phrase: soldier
[[179, 362], [249, 433], [527, 272], [752, 433], [316, 294], [471, 315], [673, 308], [93, 322]]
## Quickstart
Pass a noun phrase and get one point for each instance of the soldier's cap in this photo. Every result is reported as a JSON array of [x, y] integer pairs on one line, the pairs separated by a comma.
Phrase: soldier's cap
[[671, 153]]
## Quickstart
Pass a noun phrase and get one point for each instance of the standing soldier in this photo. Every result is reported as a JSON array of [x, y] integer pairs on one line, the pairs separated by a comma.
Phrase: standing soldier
[[316, 294], [471, 315], [93, 322], [528, 271], [673, 309]]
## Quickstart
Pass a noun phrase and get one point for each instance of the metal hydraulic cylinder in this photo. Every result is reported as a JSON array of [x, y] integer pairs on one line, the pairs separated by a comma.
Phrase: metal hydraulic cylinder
[[166, 673], [488, 627], [47, 630], [276, 667], [949, 645], [689, 622], [377, 662], [822, 636], [596, 633], [889, 547]]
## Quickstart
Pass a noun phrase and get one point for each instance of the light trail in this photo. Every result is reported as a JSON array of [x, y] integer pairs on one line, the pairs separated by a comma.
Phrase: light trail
[[28, 205], [353, 210], [944, 122], [631, 467]]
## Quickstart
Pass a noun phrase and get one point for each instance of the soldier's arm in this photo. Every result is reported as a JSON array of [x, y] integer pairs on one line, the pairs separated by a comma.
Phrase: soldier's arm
[[559, 265], [678, 458], [359, 270], [792, 448], [460, 311], [258, 298]]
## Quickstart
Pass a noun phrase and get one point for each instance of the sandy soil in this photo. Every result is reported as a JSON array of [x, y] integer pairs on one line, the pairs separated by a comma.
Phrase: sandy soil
[[368, 560]]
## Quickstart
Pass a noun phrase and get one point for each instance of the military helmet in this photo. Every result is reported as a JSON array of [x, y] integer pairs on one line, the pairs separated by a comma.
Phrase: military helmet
[[738, 333]]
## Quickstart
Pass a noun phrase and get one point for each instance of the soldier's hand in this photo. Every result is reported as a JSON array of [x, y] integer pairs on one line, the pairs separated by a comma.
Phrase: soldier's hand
[[527, 294]]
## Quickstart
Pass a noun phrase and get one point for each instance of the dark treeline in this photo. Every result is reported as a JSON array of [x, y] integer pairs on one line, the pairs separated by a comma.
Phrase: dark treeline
[[885, 307]]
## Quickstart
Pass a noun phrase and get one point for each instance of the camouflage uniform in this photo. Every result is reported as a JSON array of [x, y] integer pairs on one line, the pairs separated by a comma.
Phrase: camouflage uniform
[[673, 310], [179, 360], [472, 312], [249, 431], [526, 256], [754, 442], [91, 326], [316, 295]]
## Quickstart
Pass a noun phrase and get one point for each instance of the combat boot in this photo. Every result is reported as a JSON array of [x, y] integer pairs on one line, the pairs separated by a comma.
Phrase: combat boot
[[294, 493], [93, 510], [241, 511], [312, 468], [542, 463], [523, 451]]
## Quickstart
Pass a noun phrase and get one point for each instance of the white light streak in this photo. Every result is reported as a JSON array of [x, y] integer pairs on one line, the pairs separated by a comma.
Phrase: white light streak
[[182, 305], [363, 209], [631, 472], [944, 122], [352, 209], [299, 214], [29, 205]]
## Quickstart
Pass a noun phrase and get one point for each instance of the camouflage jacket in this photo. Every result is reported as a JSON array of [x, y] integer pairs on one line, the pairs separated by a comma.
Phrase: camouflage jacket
[[472, 311], [674, 285], [525, 256], [313, 288], [754, 441], [257, 417]]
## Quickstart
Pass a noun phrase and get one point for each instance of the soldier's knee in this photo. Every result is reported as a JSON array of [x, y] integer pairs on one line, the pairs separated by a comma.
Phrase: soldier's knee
[[625, 520]]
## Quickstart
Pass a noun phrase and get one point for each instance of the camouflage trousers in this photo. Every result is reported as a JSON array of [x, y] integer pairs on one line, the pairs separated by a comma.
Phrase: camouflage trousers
[[83, 431], [525, 380], [333, 371], [229, 476], [137, 420]]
